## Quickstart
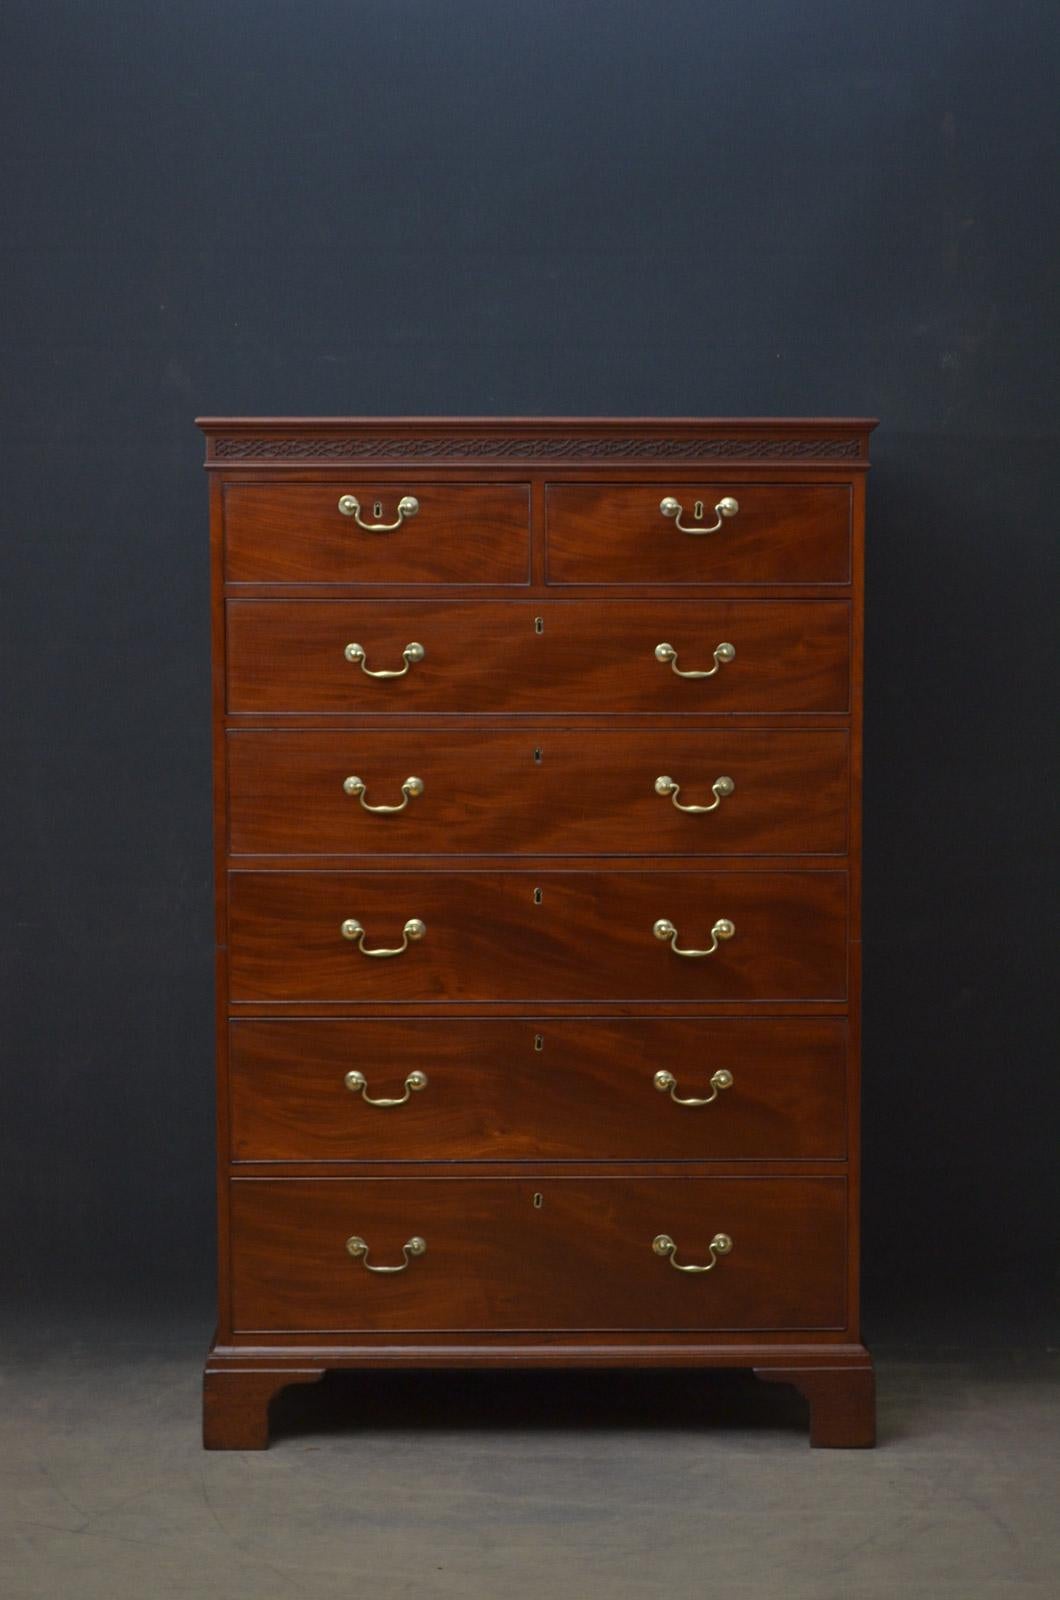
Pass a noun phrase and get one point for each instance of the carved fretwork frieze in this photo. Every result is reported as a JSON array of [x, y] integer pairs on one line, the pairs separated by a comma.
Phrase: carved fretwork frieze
[[531, 447]]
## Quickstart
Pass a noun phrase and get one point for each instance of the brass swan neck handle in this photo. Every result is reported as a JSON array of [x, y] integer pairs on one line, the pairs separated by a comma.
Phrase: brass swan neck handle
[[410, 655], [350, 506], [665, 930], [721, 788], [723, 654], [358, 1249], [665, 1081], [410, 789], [726, 507], [664, 1246], [413, 930], [357, 1083]]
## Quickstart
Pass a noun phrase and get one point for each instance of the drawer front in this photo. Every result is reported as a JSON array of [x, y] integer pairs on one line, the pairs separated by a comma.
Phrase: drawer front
[[536, 936], [538, 1090], [490, 656], [582, 1257], [545, 793], [617, 533], [296, 533]]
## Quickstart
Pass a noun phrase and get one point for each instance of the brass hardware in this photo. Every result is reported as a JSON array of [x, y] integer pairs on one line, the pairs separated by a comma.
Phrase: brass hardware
[[537, 754], [722, 929], [538, 896], [721, 787], [539, 1201], [723, 654], [410, 788], [663, 1245], [357, 1083], [414, 929], [350, 506], [539, 1042], [539, 624], [410, 655], [722, 1079], [728, 507], [358, 1249]]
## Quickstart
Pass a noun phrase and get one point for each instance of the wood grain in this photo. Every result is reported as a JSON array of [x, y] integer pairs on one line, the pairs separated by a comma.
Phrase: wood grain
[[590, 938], [608, 533], [288, 656], [540, 1090], [583, 1259], [471, 533], [535, 793]]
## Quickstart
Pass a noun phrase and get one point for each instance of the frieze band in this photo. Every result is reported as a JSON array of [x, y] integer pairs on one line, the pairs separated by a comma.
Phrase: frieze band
[[546, 447]]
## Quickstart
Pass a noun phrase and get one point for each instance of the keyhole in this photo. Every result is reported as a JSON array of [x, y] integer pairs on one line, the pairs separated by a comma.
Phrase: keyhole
[[539, 1042], [539, 1201], [539, 624], [538, 897], [698, 511], [537, 754], [377, 509]]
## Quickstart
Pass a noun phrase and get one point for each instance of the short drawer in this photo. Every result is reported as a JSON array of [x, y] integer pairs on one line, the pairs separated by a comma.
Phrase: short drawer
[[547, 1089], [544, 793], [484, 936], [760, 532], [300, 533], [537, 1253], [488, 656]]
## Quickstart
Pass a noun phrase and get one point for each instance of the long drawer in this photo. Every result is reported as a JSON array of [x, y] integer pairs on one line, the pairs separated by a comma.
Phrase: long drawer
[[762, 532], [545, 1089], [506, 1254], [310, 533], [541, 793], [519, 656], [537, 936]]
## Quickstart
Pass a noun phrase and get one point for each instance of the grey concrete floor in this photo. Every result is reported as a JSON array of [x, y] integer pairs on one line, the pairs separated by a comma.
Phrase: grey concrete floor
[[524, 1487]]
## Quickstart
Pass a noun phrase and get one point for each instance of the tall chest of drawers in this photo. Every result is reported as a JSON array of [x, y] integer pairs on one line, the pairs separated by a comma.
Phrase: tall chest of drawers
[[537, 766]]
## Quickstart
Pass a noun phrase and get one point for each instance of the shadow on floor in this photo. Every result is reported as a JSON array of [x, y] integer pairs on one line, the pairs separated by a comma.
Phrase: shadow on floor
[[447, 1401]]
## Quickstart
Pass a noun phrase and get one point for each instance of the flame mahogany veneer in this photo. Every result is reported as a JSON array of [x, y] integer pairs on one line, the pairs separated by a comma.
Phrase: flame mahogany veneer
[[535, 1180]]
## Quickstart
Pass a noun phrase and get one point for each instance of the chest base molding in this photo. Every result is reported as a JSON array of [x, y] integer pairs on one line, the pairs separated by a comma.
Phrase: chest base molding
[[241, 1382]]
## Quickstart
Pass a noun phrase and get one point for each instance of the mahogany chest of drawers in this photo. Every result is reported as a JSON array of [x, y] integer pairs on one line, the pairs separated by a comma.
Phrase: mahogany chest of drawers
[[537, 764]]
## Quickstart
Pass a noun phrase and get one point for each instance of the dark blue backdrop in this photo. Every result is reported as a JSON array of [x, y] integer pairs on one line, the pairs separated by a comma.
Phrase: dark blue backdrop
[[523, 206]]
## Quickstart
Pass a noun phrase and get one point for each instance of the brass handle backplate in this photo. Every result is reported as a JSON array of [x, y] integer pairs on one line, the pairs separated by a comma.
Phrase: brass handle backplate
[[414, 929], [665, 1081], [350, 506], [728, 507], [721, 789], [358, 1249], [723, 654], [410, 655], [722, 929], [357, 1083], [410, 788], [664, 1246]]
